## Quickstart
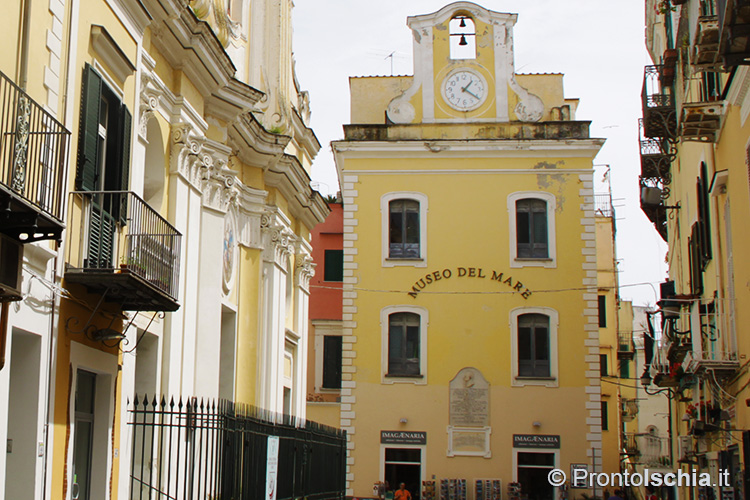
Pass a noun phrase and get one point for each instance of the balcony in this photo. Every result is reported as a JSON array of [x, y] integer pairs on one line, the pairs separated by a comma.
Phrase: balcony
[[122, 249], [646, 448], [625, 345], [734, 31], [33, 167], [659, 115], [603, 204], [702, 111]]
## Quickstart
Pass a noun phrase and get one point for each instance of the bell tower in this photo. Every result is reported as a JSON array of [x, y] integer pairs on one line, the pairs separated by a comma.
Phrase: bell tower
[[464, 70]]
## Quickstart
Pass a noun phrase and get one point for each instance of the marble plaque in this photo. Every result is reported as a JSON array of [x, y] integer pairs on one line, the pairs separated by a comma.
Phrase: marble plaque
[[469, 399]]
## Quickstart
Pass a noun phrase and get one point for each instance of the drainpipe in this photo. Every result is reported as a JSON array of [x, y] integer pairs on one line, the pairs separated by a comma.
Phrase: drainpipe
[[3, 331], [23, 67]]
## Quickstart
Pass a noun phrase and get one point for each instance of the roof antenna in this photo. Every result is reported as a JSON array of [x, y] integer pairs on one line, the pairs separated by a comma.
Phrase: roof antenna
[[391, 56]]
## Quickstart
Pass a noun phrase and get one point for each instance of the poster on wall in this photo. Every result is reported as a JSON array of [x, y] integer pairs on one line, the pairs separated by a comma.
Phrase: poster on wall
[[272, 467]]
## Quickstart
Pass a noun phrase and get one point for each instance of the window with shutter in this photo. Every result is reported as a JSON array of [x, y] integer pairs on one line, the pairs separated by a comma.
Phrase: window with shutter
[[404, 229], [103, 165], [531, 229], [403, 344], [332, 362], [533, 345]]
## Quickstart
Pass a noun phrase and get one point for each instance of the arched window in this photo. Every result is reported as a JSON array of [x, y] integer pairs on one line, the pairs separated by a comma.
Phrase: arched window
[[403, 344], [463, 38], [533, 345]]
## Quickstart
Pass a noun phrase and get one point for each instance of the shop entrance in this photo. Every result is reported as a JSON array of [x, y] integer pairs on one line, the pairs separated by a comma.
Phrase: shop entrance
[[404, 465], [532, 474]]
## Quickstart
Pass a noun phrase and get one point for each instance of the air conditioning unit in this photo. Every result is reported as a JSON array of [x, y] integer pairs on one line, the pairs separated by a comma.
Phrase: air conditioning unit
[[11, 255], [650, 196]]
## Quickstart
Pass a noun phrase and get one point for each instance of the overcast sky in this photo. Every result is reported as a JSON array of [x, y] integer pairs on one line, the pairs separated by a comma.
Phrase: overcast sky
[[597, 44]]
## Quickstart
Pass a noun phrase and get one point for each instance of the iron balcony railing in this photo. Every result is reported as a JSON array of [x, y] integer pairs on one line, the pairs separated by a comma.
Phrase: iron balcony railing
[[218, 449], [646, 448], [696, 338], [603, 204], [659, 118], [33, 150], [119, 232]]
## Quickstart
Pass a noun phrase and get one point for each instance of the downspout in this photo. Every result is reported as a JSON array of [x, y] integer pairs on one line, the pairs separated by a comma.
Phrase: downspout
[[23, 67]]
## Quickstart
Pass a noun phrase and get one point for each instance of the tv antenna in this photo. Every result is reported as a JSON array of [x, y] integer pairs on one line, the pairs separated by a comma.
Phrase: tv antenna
[[391, 57]]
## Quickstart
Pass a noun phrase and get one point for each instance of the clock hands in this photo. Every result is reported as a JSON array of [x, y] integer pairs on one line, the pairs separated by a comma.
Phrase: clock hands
[[466, 90]]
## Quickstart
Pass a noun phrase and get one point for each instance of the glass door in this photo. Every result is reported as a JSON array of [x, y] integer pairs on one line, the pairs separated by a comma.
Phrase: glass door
[[84, 433]]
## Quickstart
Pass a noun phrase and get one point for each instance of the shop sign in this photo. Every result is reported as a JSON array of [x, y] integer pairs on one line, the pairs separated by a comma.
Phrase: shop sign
[[536, 441], [580, 482], [403, 437]]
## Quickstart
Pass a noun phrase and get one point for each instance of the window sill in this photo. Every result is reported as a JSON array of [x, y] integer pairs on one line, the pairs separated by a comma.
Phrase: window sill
[[396, 375], [544, 379], [408, 259], [533, 259]]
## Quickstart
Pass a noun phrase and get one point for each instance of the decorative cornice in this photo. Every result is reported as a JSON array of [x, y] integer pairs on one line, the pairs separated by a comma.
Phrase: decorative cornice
[[190, 44], [254, 144], [109, 52], [293, 181], [229, 102]]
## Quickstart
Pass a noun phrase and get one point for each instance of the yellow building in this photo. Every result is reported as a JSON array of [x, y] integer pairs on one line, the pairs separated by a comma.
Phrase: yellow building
[[694, 188], [183, 270], [470, 310]]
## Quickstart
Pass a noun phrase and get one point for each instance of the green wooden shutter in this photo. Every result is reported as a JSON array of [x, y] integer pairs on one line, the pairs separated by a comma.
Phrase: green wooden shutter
[[88, 139], [125, 132]]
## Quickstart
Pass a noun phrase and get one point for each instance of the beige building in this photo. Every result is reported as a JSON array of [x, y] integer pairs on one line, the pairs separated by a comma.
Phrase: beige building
[[694, 188]]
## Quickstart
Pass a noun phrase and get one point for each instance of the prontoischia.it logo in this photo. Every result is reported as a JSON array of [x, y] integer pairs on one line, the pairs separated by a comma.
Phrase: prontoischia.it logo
[[583, 478]]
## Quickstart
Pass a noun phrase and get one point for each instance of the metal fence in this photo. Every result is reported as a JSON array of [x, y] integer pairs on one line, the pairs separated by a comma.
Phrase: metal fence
[[190, 449]]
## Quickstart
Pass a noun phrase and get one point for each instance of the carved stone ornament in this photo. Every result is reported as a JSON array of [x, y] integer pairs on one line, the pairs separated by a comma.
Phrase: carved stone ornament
[[278, 240], [305, 270]]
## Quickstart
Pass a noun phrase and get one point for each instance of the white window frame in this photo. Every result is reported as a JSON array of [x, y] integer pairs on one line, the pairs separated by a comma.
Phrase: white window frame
[[324, 328], [385, 201], [516, 451], [423, 324], [105, 367], [553, 379], [551, 260], [423, 458]]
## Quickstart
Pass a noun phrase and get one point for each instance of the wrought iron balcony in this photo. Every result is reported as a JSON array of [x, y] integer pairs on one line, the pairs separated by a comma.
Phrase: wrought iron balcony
[[657, 155], [695, 342], [33, 167], [630, 445], [122, 248], [659, 117], [734, 31]]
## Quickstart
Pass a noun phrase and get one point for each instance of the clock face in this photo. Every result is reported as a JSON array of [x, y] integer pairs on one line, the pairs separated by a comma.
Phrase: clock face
[[464, 90]]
